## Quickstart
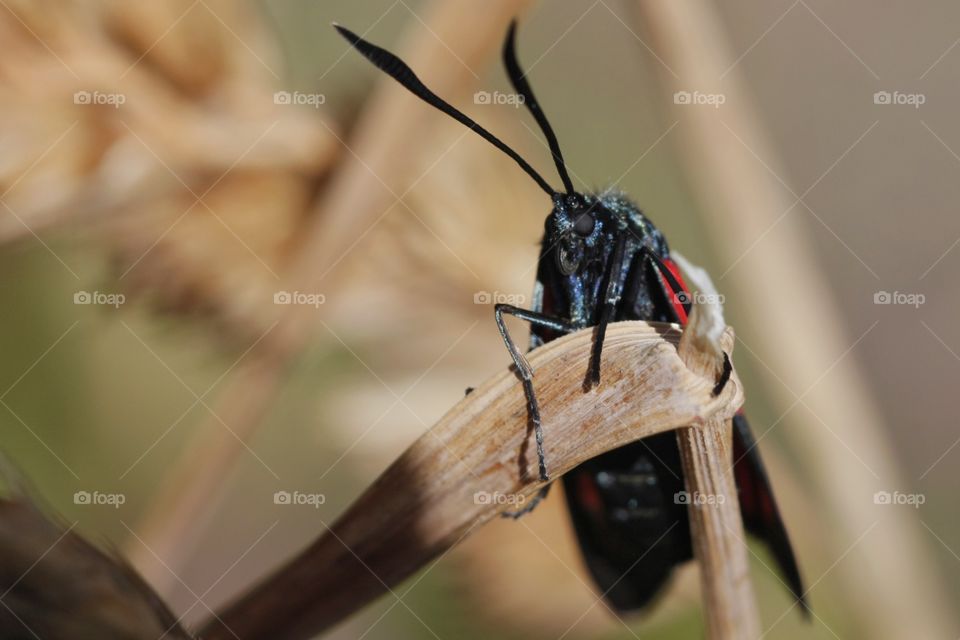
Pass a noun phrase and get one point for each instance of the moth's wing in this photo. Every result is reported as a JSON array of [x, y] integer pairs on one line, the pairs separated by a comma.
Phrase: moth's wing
[[632, 532], [761, 517]]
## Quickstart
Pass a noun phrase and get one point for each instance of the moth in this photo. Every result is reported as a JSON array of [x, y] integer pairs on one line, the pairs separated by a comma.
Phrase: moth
[[601, 261]]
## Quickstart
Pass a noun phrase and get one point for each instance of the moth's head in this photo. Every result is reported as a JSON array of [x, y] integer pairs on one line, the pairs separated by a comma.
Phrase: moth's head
[[580, 233]]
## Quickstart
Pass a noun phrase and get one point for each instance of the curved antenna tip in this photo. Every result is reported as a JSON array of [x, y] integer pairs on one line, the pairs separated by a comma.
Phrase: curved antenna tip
[[399, 71], [518, 78]]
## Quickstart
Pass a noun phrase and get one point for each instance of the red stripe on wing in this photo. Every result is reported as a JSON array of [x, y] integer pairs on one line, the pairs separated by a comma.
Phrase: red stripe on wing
[[675, 298]]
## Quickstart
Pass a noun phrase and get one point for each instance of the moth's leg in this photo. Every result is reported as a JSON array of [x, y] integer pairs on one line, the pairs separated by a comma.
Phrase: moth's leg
[[610, 301], [527, 508], [724, 375], [523, 367]]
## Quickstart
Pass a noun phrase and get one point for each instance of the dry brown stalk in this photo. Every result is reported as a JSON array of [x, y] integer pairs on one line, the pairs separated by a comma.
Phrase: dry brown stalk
[[427, 500], [715, 524]]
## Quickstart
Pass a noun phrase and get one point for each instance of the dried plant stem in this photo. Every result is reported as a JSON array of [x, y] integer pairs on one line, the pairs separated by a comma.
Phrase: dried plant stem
[[716, 527], [799, 332], [427, 500]]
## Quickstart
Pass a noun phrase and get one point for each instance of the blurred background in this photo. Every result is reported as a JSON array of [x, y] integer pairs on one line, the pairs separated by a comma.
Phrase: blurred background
[[236, 261]]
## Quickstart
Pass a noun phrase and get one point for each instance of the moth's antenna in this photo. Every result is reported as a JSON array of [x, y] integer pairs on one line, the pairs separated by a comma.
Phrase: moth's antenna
[[399, 71], [519, 81]]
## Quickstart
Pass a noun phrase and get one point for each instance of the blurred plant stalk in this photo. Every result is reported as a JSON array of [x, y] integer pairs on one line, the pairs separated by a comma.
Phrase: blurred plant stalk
[[391, 124], [888, 574], [156, 133]]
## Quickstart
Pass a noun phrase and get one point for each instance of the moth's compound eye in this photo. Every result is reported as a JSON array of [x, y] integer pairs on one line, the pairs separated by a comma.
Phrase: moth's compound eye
[[584, 224], [569, 255]]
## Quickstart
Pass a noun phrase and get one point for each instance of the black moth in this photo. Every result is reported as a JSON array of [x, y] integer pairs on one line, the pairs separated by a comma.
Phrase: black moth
[[602, 261]]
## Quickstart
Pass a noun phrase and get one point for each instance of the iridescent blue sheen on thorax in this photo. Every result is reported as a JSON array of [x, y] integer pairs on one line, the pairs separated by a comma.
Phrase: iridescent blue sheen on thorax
[[578, 295]]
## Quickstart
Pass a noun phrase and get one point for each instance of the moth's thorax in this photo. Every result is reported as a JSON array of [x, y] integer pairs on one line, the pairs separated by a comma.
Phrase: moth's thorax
[[580, 237]]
